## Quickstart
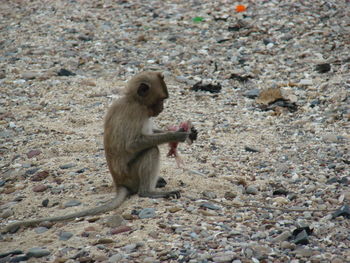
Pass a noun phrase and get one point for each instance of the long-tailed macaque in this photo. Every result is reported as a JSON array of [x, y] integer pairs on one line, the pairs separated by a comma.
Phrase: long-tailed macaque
[[131, 145]]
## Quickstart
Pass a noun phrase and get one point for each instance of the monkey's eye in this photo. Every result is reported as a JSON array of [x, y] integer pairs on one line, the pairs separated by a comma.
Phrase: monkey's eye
[[143, 89]]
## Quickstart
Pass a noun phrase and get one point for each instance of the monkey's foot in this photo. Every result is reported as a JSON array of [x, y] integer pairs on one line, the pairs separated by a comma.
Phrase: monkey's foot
[[173, 194]]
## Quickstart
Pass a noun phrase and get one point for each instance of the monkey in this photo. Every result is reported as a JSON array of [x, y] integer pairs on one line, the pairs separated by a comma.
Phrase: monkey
[[131, 146]]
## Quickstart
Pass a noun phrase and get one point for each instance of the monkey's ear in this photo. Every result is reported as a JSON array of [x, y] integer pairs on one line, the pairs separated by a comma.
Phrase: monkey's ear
[[161, 75], [142, 90]]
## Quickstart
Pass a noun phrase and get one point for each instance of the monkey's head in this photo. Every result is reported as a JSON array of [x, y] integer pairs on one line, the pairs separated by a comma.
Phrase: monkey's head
[[149, 89]]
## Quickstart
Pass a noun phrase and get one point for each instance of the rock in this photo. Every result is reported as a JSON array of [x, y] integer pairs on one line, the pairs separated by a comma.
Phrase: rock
[[252, 190], [18, 259], [280, 191], [40, 176], [224, 257], [28, 75], [6, 213], [212, 88], [40, 230], [230, 195], [306, 82], [250, 149], [209, 195], [45, 202], [323, 68], [301, 238], [147, 213], [65, 72], [67, 166], [115, 221], [210, 206], [282, 237], [252, 94], [32, 171], [40, 188], [174, 209], [280, 200], [38, 252], [120, 229], [115, 258], [64, 236], [104, 241], [287, 245], [72, 203], [303, 252], [33, 153]]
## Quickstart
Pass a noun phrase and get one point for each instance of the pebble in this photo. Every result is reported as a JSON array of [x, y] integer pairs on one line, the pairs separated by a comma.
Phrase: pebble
[[252, 190], [33, 153], [115, 221], [120, 229], [304, 252], [224, 257], [147, 213], [64, 236], [306, 82], [40, 188], [282, 237], [6, 213], [40, 176], [252, 94], [72, 203], [115, 258], [209, 195], [38, 252], [287, 245], [40, 230], [45, 202], [67, 166], [210, 206]]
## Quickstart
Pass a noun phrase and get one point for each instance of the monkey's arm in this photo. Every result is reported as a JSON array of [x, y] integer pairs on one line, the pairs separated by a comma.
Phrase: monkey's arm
[[148, 141]]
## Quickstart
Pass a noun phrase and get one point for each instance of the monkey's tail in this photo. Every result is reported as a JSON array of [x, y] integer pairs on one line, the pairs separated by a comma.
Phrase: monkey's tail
[[113, 204]]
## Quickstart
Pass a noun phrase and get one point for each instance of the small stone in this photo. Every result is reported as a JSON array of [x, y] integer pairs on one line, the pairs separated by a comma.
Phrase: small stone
[[45, 202], [174, 209], [6, 213], [305, 82], [2, 182], [280, 200], [32, 171], [287, 245], [147, 213], [230, 195], [72, 203], [252, 190], [323, 68], [65, 72], [115, 258], [302, 238], [9, 190], [120, 229], [282, 237], [67, 166], [64, 236], [223, 257], [40, 230], [33, 153], [40, 188], [210, 206], [209, 195], [250, 149], [338, 260], [303, 252], [129, 216], [280, 191], [40, 176], [115, 221], [104, 241], [17, 259], [28, 75], [38, 252], [252, 94]]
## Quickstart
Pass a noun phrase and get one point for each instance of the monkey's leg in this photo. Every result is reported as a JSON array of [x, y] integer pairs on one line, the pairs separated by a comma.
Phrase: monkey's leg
[[147, 170]]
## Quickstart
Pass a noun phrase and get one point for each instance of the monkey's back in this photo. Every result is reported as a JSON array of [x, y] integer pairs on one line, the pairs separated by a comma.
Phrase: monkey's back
[[123, 125]]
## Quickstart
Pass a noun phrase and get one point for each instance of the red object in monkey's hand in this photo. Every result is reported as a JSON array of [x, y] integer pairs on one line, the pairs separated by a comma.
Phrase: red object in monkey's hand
[[184, 126]]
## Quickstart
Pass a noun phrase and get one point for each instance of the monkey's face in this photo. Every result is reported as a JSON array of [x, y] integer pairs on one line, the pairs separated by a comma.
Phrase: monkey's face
[[152, 92]]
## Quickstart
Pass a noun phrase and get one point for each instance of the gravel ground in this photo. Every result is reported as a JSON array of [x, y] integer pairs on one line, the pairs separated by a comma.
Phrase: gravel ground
[[268, 174]]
